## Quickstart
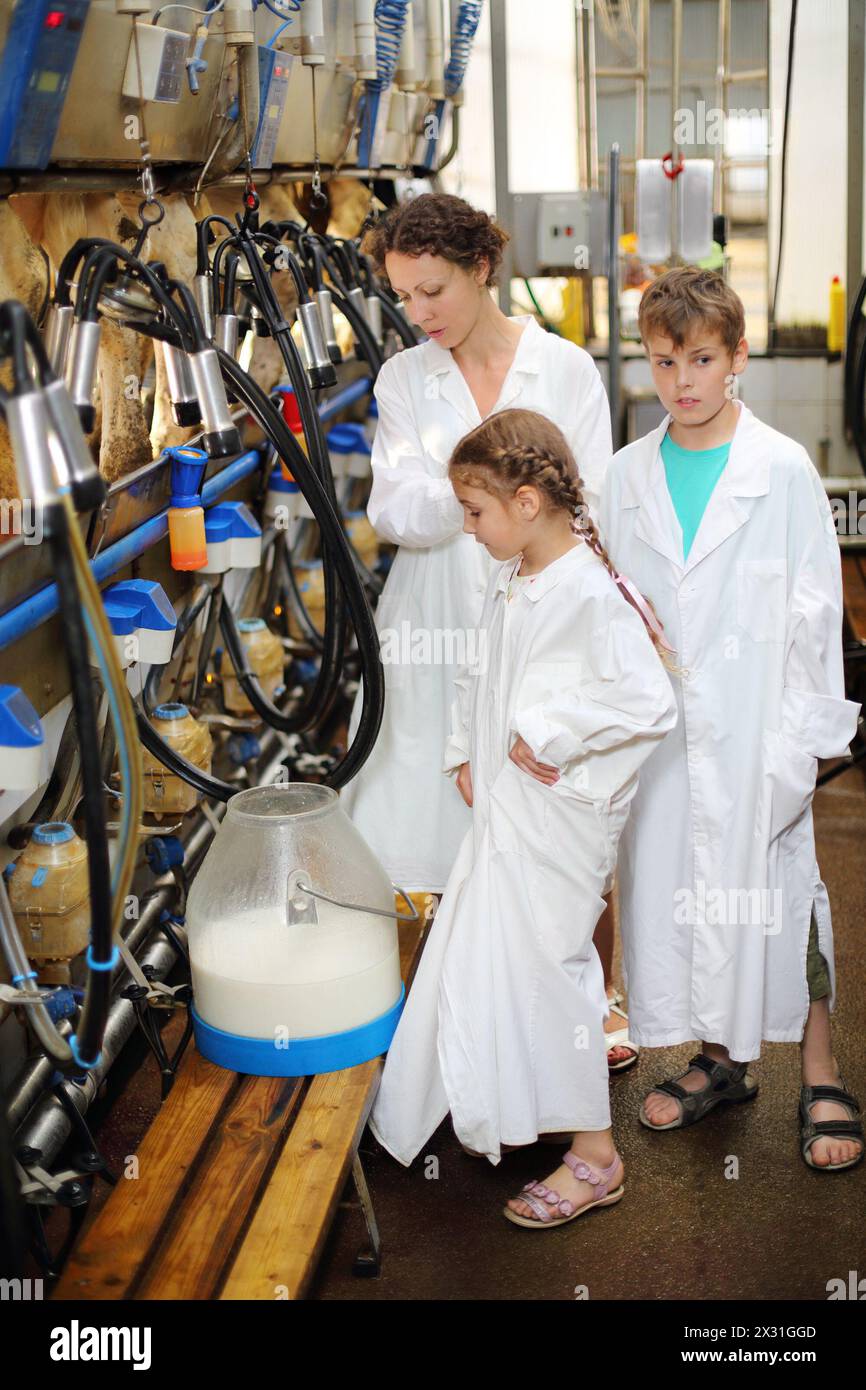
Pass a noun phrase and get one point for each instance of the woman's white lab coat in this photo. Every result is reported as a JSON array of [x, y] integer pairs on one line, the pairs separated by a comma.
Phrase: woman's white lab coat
[[504, 1021], [717, 871], [428, 612]]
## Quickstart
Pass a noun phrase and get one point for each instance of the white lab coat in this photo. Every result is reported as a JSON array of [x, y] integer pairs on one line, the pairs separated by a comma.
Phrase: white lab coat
[[717, 871], [503, 1025], [411, 816]]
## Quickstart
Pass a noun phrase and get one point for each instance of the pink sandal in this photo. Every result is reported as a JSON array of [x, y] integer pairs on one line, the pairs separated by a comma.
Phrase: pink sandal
[[534, 1192]]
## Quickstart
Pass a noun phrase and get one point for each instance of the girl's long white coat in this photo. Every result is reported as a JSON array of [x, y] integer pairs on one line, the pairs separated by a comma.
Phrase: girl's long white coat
[[504, 1021], [717, 871], [427, 615]]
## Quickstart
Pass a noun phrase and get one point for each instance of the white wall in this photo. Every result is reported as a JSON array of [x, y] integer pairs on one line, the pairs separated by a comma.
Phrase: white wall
[[542, 105], [543, 131], [815, 217]]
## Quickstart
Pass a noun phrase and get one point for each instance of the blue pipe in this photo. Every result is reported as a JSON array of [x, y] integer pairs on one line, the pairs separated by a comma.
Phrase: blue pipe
[[36, 609], [353, 392]]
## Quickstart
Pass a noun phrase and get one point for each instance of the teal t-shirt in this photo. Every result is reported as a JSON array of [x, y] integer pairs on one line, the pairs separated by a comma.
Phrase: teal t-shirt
[[691, 476]]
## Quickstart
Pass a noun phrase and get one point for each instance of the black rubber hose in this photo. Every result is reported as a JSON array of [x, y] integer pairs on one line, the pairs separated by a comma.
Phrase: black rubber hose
[[202, 232], [792, 29], [284, 559], [98, 997], [401, 325], [12, 1237], [227, 244], [366, 339], [157, 289], [858, 429], [276, 718], [184, 623], [208, 786], [327, 684], [271, 422]]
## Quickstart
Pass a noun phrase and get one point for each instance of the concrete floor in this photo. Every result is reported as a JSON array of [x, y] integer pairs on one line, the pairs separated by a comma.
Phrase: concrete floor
[[683, 1230]]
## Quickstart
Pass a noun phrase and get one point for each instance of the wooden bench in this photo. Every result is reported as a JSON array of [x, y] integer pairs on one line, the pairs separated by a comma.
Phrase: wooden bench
[[240, 1178]]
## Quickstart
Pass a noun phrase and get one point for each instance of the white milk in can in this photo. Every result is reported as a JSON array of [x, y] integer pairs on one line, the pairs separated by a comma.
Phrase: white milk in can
[[285, 982]]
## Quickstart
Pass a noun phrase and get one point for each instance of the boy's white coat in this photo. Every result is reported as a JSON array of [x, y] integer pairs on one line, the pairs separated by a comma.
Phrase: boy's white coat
[[503, 1024], [411, 817], [723, 808]]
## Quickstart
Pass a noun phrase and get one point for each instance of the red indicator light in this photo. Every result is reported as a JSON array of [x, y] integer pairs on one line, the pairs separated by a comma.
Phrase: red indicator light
[[278, 72], [54, 19]]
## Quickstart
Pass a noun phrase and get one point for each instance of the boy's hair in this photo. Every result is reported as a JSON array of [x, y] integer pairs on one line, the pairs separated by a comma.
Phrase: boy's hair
[[685, 299], [516, 447], [445, 226]]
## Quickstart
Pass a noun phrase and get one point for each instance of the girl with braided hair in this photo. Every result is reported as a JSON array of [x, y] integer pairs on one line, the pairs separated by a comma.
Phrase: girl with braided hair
[[504, 1023]]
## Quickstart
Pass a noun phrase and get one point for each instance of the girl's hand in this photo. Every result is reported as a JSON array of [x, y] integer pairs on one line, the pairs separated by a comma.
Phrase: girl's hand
[[521, 754], [464, 783]]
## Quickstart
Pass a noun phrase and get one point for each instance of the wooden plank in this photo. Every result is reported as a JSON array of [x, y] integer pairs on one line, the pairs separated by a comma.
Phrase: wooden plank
[[279, 1253], [196, 1244], [172, 1232], [280, 1249], [110, 1255]]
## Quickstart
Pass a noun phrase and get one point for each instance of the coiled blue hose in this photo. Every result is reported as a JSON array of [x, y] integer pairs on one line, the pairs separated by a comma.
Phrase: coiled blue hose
[[390, 17], [465, 26]]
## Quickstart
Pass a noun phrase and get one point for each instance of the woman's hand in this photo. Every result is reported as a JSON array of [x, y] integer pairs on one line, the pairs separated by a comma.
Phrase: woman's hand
[[521, 754], [464, 783]]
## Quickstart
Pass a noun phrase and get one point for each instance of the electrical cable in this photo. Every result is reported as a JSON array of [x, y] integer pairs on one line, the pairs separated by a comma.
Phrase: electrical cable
[[791, 31]]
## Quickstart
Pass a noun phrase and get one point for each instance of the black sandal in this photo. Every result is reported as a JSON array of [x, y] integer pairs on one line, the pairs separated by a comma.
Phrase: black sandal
[[726, 1084], [810, 1129]]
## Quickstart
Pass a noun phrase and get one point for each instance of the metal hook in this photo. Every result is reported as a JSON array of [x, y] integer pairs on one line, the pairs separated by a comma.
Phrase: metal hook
[[147, 222]]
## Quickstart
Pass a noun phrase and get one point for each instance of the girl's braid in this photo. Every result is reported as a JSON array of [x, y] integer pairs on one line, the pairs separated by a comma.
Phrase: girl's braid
[[550, 471], [513, 447]]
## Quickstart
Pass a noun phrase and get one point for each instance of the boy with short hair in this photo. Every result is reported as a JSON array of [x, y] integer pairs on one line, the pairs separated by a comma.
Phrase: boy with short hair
[[725, 525]]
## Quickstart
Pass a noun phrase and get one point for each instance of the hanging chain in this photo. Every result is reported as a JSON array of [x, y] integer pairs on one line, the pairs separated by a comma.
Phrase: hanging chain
[[318, 198], [148, 188]]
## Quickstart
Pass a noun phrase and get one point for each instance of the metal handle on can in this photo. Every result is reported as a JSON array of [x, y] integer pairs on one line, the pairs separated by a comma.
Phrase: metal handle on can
[[356, 907]]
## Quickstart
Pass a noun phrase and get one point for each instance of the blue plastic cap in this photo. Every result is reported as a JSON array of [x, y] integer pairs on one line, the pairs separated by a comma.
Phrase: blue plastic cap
[[251, 624], [348, 439], [187, 466], [164, 852], [146, 603], [53, 832], [19, 722], [170, 711], [277, 482], [230, 521], [121, 618]]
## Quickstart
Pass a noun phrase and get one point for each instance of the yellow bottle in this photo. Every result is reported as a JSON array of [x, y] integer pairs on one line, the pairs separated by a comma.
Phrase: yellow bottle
[[164, 791], [265, 658], [836, 322], [50, 895]]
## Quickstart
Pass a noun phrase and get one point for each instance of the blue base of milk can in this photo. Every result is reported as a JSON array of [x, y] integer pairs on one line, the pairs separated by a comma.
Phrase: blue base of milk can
[[298, 1056]]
